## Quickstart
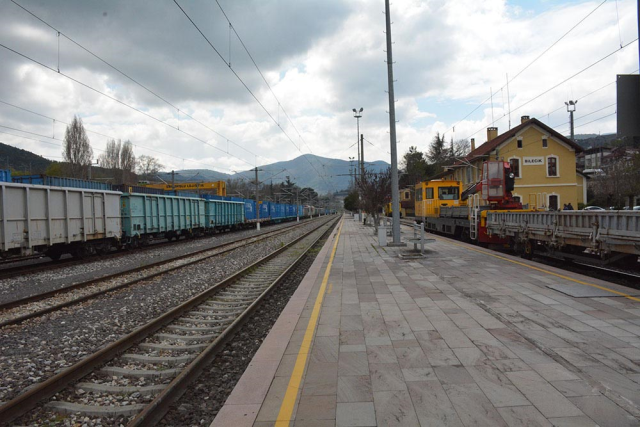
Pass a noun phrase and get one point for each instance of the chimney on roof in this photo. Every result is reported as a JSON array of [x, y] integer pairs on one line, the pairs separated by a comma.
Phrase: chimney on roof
[[524, 119], [492, 132], [473, 144]]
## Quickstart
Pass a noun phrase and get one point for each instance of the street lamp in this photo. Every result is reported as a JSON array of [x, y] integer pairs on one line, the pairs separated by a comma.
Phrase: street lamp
[[357, 114], [571, 107]]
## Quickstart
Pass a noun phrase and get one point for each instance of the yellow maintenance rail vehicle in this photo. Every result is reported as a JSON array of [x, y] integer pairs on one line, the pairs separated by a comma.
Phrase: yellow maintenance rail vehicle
[[407, 204]]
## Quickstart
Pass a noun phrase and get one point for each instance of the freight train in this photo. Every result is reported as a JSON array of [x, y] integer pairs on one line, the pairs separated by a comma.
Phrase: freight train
[[55, 220], [486, 213]]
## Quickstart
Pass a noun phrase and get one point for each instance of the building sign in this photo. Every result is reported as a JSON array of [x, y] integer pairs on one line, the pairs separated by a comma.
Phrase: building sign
[[531, 161]]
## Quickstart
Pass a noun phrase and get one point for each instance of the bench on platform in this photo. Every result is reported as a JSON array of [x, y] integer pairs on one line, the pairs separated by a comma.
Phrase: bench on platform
[[418, 238]]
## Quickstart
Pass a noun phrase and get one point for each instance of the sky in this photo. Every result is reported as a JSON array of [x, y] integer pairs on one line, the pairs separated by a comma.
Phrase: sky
[[141, 71]]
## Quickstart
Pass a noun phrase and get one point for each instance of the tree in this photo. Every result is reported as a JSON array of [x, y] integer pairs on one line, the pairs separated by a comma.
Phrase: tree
[[110, 159], [437, 154], [54, 169], [375, 189], [351, 201], [127, 162], [415, 167], [77, 148], [461, 148], [148, 167]]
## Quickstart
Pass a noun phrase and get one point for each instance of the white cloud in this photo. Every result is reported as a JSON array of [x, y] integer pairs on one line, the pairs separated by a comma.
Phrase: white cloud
[[321, 61]]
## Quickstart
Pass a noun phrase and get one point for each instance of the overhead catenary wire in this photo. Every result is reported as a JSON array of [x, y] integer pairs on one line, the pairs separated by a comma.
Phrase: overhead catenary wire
[[558, 84], [595, 120], [530, 64], [246, 87], [586, 115], [233, 28], [89, 130], [178, 109], [98, 149], [588, 94], [120, 102]]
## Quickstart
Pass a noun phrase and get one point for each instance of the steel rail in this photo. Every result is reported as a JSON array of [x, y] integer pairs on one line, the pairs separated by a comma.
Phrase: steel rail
[[627, 278], [10, 272], [30, 399], [80, 285], [158, 408]]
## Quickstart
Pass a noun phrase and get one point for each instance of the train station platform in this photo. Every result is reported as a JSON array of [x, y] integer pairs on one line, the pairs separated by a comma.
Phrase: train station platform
[[463, 336]]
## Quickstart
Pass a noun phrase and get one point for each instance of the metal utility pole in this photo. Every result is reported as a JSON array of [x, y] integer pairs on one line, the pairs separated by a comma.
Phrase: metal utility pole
[[395, 192], [571, 108], [362, 153], [353, 181], [358, 114], [257, 202]]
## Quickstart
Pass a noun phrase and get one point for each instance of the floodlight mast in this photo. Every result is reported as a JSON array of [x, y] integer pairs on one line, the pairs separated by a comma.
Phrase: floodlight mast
[[571, 108]]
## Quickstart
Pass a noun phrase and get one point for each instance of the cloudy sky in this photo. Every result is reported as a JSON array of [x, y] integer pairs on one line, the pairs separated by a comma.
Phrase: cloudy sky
[[320, 59]]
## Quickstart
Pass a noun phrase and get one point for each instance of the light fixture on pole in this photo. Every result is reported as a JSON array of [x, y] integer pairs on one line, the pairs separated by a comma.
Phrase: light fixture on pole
[[571, 107]]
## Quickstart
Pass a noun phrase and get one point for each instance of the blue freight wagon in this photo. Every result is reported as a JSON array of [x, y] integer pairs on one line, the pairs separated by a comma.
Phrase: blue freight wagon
[[265, 211], [145, 216], [57, 181], [249, 210], [223, 214], [5, 175]]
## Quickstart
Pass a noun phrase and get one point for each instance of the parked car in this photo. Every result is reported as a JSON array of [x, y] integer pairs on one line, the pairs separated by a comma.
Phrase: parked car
[[593, 208], [636, 208]]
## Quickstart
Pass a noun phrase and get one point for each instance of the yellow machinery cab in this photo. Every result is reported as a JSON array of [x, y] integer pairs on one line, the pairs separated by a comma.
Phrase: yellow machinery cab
[[435, 194], [407, 208]]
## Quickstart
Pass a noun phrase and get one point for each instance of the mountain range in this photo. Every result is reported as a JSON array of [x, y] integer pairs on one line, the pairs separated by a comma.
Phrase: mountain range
[[320, 173]]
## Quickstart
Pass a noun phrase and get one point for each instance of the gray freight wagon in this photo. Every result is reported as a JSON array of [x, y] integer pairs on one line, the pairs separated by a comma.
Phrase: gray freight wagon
[[57, 220]]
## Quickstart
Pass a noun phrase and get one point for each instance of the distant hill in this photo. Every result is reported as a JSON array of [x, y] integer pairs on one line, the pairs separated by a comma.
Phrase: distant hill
[[320, 173], [22, 160], [594, 140]]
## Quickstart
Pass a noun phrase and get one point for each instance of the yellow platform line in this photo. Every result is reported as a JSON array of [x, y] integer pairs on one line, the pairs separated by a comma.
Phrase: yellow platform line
[[622, 294], [289, 401]]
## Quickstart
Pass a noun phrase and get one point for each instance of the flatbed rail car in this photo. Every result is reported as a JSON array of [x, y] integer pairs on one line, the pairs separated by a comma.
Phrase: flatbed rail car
[[612, 235], [56, 220]]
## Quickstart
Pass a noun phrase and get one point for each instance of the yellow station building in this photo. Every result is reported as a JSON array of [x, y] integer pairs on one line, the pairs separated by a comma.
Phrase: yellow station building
[[543, 160]]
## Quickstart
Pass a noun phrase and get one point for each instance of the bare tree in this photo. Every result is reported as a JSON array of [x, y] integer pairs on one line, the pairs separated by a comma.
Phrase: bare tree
[[127, 162], [110, 159], [375, 189], [77, 148], [148, 166]]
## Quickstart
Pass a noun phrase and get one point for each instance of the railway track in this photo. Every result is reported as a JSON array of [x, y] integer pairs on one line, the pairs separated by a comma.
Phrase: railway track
[[629, 278], [30, 264], [169, 351], [17, 311]]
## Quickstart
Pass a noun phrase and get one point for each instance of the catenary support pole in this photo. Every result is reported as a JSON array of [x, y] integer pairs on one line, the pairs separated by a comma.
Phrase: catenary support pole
[[395, 196], [362, 154], [257, 202]]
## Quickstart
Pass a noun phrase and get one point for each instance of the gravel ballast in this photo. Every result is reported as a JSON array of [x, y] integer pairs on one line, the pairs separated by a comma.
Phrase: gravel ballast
[[30, 284], [37, 349]]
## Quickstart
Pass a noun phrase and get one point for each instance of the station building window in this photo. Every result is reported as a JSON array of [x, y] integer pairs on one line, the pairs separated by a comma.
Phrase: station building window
[[552, 166], [545, 142], [515, 166], [519, 142]]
